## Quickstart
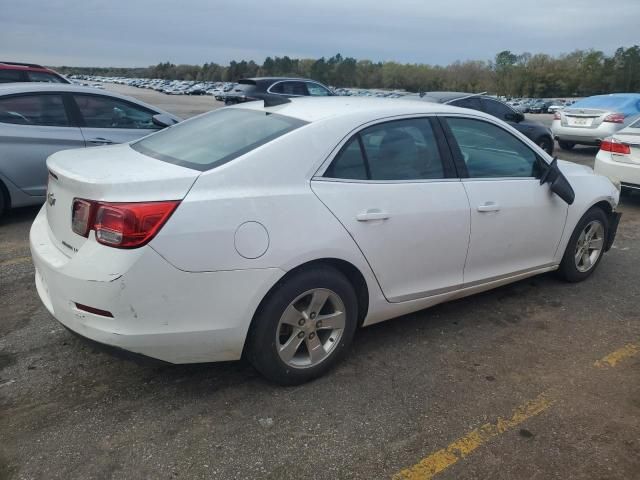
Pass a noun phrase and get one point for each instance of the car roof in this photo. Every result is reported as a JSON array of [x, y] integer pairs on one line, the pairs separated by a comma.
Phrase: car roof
[[311, 109], [43, 87], [24, 66]]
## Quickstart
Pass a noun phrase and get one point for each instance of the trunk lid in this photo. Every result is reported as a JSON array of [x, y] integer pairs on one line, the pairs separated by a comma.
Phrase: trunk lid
[[583, 117], [631, 138], [113, 174]]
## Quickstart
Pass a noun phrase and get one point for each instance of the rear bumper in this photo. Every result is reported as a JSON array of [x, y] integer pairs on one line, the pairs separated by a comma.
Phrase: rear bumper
[[158, 310], [626, 173], [583, 136]]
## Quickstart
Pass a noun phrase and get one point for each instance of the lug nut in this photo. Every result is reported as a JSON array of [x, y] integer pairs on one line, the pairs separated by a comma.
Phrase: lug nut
[[301, 335], [301, 322], [313, 315], [311, 335], [319, 324]]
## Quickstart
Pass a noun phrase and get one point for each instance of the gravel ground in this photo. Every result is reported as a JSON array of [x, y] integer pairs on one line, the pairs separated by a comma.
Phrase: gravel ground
[[409, 388]]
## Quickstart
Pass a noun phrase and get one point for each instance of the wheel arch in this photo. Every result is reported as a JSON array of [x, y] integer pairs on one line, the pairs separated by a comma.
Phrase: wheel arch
[[353, 274]]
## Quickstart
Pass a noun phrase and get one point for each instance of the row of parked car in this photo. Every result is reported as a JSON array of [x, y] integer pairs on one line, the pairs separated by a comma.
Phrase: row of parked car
[[170, 87], [539, 105], [37, 119]]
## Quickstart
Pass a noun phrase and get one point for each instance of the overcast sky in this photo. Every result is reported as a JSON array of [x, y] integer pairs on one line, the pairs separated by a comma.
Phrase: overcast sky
[[145, 32]]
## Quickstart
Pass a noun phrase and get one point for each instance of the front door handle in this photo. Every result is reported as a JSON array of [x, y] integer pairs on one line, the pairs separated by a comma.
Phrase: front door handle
[[100, 141], [371, 215], [489, 207]]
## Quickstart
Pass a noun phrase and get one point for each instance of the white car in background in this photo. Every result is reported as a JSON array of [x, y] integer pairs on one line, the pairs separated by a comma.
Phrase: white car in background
[[277, 230], [619, 157]]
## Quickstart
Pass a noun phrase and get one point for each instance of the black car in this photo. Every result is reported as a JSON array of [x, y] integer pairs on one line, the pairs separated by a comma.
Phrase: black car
[[249, 89], [541, 106], [536, 131]]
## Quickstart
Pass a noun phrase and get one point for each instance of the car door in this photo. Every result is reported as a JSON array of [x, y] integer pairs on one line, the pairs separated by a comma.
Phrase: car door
[[393, 187], [32, 127], [105, 120], [516, 223]]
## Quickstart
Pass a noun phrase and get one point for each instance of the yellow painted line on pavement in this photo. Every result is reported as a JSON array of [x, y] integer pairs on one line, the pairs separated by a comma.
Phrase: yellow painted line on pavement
[[459, 449], [14, 261], [439, 461], [611, 360]]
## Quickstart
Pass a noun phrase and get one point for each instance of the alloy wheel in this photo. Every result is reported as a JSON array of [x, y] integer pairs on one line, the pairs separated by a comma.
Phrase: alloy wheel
[[310, 328], [589, 246]]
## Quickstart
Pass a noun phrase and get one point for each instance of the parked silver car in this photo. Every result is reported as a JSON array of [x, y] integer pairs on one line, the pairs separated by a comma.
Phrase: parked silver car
[[592, 119], [38, 119]]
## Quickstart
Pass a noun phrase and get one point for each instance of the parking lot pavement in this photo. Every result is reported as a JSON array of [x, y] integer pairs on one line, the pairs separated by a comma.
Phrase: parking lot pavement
[[539, 379]]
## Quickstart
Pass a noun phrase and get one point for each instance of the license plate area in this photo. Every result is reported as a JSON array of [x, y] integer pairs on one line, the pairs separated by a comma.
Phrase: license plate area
[[579, 121]]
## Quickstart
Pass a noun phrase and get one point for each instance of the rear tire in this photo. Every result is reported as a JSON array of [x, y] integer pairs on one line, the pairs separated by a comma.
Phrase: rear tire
[[291, 339], [3, 200], [566, 145], [586, 246]]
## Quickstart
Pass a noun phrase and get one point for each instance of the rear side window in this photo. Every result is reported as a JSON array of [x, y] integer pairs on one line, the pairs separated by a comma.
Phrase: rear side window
[[216, 138], [497, 109], [104, 112], [397, 150], [44, 77], [43, 110], [8, 76], [473, 103]]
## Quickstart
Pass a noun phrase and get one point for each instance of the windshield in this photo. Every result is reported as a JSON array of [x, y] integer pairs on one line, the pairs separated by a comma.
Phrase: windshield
[[216, 138], [604, 101]]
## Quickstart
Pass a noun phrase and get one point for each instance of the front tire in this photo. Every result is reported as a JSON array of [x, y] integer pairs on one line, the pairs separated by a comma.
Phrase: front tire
[[566, 145], [304, 326], [586, 246]]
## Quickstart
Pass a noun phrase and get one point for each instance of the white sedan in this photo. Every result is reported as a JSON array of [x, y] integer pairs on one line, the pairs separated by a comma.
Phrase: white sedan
[[276, 229], [619, 157]]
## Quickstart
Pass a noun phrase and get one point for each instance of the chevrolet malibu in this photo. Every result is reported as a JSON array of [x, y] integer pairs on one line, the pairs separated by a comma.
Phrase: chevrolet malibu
[[275, 229]]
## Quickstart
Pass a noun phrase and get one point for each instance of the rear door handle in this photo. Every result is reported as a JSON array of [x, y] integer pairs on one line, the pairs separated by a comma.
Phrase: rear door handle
[[489, 207], [371, 215], [100, 141]]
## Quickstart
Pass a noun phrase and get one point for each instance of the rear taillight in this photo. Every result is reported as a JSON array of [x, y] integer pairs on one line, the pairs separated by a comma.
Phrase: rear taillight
[[556, 116], [81, 216], [121, 225], [614, 118], [614, 146]]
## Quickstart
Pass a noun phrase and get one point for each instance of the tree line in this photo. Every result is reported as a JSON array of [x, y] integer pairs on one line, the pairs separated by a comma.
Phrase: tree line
[[579, 73]]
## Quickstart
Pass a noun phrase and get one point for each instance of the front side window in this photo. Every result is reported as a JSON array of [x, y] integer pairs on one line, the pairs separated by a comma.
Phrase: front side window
[[216, 138], [316, 90], [44, 77], [106, 112], [397, 150], [488, 151], [40, 109], [289, 88]]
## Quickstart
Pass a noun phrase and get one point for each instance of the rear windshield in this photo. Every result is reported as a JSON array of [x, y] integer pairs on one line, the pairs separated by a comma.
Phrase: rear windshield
[[604, 101], [216, 138]]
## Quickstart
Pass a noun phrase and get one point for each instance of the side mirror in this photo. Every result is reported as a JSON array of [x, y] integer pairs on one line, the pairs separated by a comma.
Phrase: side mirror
[[558, 182], [163, 120], [515, 117]]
